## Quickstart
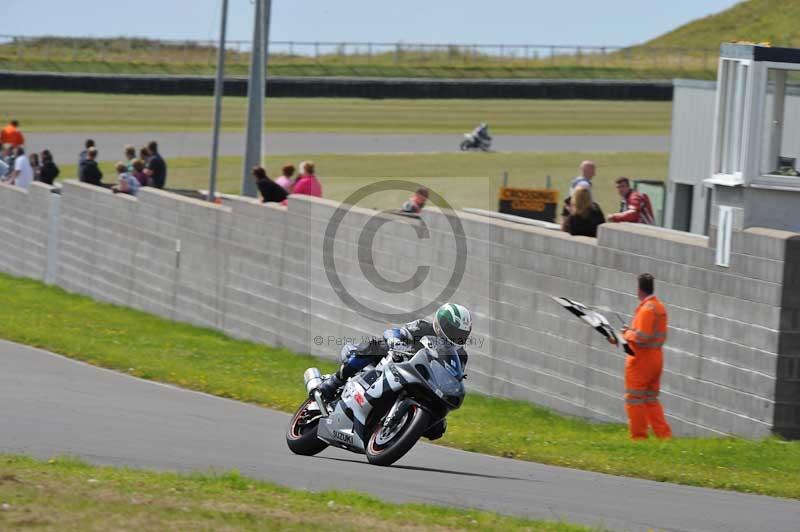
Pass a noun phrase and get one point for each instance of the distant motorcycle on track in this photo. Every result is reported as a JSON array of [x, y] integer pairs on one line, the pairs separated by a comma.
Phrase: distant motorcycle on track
[[385, 409], [479, 139]]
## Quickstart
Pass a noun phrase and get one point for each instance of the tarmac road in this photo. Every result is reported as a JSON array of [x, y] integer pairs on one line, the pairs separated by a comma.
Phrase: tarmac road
[[66, 146], [52, 405]]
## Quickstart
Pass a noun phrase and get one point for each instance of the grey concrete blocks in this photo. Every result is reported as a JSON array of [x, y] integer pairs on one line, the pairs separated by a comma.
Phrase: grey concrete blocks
[[257, 272]]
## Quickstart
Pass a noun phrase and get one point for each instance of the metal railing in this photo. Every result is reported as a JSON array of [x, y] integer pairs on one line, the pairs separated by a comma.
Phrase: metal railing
[[125, 54]]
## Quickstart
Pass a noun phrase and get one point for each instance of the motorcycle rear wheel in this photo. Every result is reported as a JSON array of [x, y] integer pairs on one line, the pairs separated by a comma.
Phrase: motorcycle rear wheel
[[301, 436], [385, 449]]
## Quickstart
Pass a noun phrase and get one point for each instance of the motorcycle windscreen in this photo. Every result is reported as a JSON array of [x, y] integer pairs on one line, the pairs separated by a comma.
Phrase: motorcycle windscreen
[[447, 373]]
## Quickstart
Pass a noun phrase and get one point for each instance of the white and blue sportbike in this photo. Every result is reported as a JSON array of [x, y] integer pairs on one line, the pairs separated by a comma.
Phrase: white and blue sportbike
[[384, 409]]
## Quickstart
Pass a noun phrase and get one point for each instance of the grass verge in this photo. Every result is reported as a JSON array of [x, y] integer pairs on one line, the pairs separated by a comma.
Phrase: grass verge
[[150, 347], [341, 175], [83, 112], [66, 494]]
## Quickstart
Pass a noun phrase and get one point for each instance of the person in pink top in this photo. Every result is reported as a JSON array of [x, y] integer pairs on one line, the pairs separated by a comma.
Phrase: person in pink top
[[307, 182], [285, 180]]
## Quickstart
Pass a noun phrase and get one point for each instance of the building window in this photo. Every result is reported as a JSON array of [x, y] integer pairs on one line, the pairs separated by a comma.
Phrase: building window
[[733, 98], [780, 146]]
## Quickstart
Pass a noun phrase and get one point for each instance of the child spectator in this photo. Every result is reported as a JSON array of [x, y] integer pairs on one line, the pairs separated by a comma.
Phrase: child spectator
[[127, 183], [585, 215], [130, 156], [416, 202], [285, 180], [49, 171], [88, 171], [270, 190], [12, 135], [144, 154], [307, 183], [139, 173]]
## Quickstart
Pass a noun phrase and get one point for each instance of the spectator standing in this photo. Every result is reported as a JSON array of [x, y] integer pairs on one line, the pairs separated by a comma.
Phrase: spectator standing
[[128, 184], [270, 190], [156, 166], [584, 214], [139, 173], [588, 171], [49, 171], [82, 155], [636, 207], [130, 156], [645, 363], [88, 171], [285, 180], [12, 135], [416, 203], [307, 183], [22, 175], [7, 156], [33, 158]]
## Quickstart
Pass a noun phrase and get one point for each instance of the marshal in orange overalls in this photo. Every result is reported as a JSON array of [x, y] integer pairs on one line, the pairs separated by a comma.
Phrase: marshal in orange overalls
[[646, 337]]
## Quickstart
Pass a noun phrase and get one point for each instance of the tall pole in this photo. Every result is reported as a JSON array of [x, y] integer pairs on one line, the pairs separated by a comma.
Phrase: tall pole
[[255, 95], [219, 86]]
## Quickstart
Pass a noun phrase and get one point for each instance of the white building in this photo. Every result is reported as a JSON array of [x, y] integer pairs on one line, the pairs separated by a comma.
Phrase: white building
[[737, 147]]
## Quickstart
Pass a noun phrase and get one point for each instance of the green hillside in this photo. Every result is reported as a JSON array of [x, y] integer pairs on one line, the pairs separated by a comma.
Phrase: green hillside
[[775, 21]]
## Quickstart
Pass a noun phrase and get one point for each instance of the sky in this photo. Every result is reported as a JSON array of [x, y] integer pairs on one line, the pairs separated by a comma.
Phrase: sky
[[562, 22]]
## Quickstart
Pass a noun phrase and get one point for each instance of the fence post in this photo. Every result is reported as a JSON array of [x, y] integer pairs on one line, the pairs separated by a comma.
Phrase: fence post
[[552, 55], [397, 53]]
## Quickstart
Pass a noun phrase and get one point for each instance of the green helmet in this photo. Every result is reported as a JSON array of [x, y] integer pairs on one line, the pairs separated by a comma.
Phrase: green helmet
[[452, 323]]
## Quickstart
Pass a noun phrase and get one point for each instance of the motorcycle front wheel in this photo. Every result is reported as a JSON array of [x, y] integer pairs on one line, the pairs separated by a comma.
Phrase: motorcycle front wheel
[[301, 436], [465, 145], [387, 445]]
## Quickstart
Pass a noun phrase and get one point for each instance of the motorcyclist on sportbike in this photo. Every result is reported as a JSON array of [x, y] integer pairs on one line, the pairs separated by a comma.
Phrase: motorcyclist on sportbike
[[482, 133], [451, 323]]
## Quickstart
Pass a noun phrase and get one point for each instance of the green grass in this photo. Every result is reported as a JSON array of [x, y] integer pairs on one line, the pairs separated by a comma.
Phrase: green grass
[[84, 112], [200, 359], [447, 173], [138, 56], [65, 494], [773, 21]]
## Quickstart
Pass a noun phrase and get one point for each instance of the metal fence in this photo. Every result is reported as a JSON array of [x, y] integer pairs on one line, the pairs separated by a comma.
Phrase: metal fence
[[74, 54]]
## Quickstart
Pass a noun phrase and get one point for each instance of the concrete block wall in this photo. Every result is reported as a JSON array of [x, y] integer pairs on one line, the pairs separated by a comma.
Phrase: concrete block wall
[[24, 218], [258, 272]]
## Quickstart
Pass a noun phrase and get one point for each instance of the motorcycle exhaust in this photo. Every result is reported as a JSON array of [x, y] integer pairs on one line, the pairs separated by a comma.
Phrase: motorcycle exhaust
[[312, 379]]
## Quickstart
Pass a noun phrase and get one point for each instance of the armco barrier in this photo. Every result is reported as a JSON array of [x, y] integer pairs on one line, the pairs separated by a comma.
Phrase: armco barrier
[[256, 271], [345, 87]]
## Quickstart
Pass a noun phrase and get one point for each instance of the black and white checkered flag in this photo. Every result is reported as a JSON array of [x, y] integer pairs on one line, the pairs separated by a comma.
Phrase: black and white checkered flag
[[593, 318]]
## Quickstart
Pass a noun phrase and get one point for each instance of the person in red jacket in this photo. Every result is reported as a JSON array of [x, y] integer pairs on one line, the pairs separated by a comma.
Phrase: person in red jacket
[[307, 182], [645, 363], [12, 135], [637, 207]]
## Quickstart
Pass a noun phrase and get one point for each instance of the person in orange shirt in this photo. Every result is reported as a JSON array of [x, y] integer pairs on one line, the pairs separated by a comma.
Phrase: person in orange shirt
[[12, 135], [645, 363]]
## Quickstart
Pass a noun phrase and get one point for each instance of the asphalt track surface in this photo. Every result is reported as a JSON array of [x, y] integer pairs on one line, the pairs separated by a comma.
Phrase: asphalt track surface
[[53, 405], [66, 146]]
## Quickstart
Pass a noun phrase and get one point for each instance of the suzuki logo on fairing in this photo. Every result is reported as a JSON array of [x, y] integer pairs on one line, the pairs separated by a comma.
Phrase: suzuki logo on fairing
[[342, 437]]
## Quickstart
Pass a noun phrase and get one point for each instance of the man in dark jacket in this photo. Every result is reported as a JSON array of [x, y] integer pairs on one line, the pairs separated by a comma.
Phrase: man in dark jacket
[[156, 166], [89, 172]]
